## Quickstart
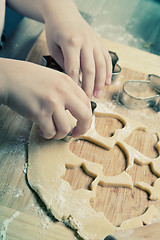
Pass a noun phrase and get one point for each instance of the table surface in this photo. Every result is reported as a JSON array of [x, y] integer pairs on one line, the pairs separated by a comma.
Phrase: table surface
[[130, 29], [14, 192]]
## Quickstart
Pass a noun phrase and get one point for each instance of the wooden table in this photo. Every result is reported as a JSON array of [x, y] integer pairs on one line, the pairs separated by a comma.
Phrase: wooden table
[[122, 203]]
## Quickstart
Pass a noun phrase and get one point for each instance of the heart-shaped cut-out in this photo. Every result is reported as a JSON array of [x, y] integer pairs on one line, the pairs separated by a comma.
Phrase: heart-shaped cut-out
[[144, 142], [106, 125], [113, 161], [75, 182]]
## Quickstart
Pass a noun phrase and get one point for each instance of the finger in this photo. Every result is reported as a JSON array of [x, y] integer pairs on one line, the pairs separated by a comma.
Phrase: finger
[[83, 113], [47, 127], [80, 128], [109, 66], [57, 54], [71, 56], [88, 70], [62, 123], [72, 90], [100, 79]]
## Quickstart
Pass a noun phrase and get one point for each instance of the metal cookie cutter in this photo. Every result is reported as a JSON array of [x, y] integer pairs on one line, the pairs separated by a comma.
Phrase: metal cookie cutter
[[49, 62], [116, 69], [129, 100]]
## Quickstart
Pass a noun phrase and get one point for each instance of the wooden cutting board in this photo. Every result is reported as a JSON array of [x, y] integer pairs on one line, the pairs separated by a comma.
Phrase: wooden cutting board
[[118, 204], [16, 225]]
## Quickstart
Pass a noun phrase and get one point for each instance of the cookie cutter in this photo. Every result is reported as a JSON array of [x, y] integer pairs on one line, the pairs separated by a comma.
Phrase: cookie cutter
[[48, 61], [132, 86], [93, 106], [116, 69], [110, 237]]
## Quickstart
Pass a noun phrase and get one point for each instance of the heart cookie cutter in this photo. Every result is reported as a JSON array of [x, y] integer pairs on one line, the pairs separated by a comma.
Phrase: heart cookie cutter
[[129, 100]]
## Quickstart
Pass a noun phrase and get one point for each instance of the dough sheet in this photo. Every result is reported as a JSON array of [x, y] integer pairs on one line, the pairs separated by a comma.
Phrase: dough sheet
[[47, 163]]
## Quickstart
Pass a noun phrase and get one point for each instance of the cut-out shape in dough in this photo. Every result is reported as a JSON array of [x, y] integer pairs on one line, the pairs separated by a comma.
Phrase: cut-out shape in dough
[[154, 191], [147, 142], [106, 126], [71, 177], [47, 164], [114, 161], [144, 219]]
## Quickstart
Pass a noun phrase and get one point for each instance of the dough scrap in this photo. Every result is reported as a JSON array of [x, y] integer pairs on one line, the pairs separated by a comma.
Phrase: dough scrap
[[47, 164], [154, 191], [145, 218]]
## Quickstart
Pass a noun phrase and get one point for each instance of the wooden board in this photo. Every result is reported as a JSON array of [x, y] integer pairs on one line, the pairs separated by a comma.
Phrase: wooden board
[[118, 204], [15, 225], [150, 232]]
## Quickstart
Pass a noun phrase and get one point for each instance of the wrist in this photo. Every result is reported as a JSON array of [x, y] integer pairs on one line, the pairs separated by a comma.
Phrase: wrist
[[57, 10]]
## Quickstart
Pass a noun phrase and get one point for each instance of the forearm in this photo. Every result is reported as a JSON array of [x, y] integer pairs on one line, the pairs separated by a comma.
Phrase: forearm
[[40, 10], [3, 83]]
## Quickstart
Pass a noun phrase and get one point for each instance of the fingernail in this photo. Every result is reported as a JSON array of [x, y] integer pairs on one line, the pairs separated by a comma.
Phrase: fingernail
[[108, 82], [98, 93]]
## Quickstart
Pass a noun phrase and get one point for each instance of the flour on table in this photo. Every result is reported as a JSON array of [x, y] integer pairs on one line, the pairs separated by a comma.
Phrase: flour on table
[[5, 223]]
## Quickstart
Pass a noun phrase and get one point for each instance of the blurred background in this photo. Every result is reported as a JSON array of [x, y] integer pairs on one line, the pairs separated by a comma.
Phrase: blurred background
[[134, 23]]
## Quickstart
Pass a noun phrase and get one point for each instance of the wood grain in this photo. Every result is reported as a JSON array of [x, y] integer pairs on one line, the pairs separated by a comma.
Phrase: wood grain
[[150, 232], [27, 227], [118, 204]]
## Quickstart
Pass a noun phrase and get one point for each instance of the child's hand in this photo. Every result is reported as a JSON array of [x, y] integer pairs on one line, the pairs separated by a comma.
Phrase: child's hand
[[74, 45], [43, 95], [71, 41]]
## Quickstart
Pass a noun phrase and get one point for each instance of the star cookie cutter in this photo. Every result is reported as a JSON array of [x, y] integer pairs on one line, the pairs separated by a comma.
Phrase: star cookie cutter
[[128, 94]]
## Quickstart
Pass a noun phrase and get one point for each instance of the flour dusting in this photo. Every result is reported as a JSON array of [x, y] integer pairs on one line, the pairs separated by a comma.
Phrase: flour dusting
[[5, 223]]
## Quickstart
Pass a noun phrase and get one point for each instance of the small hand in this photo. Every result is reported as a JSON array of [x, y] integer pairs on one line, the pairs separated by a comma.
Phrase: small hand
[[74, 45], [43, 95]]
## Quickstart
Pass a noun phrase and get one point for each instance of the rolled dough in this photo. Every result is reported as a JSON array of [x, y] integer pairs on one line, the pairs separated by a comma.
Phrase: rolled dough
[[47, 164]]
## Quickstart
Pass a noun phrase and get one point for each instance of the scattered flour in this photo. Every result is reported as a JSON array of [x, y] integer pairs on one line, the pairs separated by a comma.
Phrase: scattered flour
[[18, 194], [45, 223], [5, 223], [14, 192]]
